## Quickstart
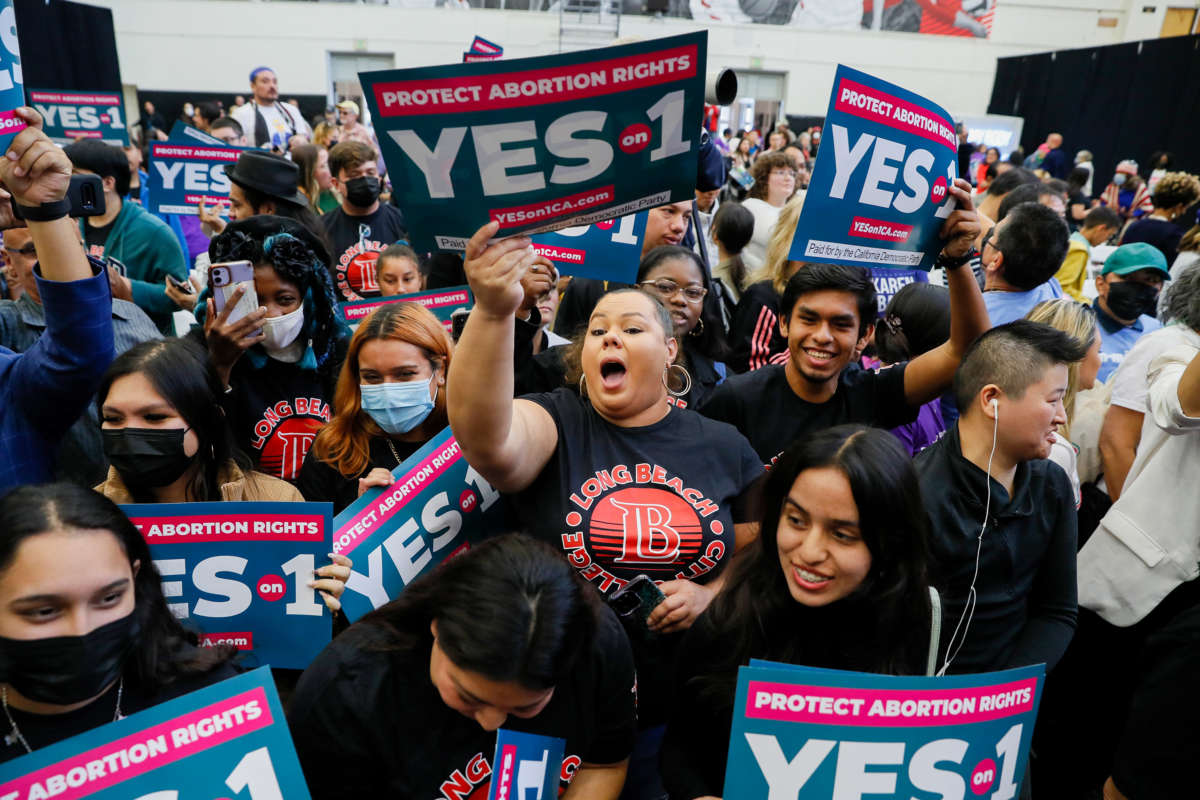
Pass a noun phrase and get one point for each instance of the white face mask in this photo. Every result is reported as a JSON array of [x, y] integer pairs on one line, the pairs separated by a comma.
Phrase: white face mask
[[281, 331]]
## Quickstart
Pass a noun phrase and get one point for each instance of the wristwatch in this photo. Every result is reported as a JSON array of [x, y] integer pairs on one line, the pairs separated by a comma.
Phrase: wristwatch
[[46, 212], [951, 263]]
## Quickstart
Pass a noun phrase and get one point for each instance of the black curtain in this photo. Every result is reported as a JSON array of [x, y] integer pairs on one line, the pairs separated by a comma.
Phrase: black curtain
[[67, 46], [1120, 101]]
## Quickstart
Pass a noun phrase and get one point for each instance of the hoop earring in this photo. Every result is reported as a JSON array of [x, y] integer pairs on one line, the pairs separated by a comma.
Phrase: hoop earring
[[699, 329], [582, 388], [687, 380]]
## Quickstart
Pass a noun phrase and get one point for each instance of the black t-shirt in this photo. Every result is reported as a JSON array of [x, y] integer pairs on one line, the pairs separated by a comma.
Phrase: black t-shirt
[[659, 500], [762, 405], [368, 722], [1158, 232], [320, 482], [356, 243], [95, 238], [43, 730]]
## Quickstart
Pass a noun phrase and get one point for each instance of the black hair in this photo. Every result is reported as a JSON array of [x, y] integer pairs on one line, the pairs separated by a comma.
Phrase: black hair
[[289, 210], [733, 227], [181, 372], [1102, 215], [510, 609], [710, 342], [1026, 193], [1010, 179], [883, 625], [1078, 179], [1057, 186], [227, 122], [208, 111], [1034, 242], [289, 248], [916, 320], [166, 652], [991, 172], [106, 160], [835, 277], [1013, 356]]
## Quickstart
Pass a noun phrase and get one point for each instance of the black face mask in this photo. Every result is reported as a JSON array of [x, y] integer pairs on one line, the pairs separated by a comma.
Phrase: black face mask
[[363, 191], [146, 458], [68, 669], [1129, 300]]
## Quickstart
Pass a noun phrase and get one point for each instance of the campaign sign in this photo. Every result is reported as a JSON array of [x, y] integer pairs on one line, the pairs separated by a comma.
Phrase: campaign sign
[[813, 733], [482, 50], [436, 508], [182, 174], [608, 250], [442, 302], [525, 762], [543, 143], [68, 116], [182, 132], [880, 188], [240, 571], [889, 281], [226, 740], [12, 82]]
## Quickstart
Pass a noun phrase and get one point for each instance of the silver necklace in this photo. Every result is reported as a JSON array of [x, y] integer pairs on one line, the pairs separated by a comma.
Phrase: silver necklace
[[17, 736], [395, 455]]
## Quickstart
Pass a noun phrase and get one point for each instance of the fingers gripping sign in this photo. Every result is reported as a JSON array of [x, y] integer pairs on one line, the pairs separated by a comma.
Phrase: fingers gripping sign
[[495, 269], [962, 227]]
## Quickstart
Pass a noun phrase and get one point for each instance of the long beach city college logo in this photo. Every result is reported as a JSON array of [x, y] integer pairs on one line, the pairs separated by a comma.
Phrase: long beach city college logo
[[619, 525], [473, 781], [285, 432], [356, 267]]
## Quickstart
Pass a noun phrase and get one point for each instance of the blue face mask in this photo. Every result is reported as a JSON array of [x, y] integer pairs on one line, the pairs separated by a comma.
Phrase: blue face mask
[[397, 407]]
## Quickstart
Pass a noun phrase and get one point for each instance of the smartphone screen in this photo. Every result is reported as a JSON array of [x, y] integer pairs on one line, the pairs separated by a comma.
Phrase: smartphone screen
[[225, 278]]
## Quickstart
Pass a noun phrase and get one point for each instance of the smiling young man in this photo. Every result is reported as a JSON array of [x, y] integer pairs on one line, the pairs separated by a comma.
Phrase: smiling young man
[[827, 315], [988, 476]]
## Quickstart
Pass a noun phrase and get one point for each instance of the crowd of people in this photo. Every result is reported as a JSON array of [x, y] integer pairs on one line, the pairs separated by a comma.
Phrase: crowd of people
[[804, 473]]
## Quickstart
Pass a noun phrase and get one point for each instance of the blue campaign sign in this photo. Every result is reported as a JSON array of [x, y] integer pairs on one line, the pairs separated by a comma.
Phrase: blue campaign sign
[[240, 571], [816, 733], [889, 281], [184, 173], [12, 86], [442, 302], [880, 188], [226, 740], [538, 144], [182, 132], [608, 250], [68, 116], [525, 762], [437, 507]]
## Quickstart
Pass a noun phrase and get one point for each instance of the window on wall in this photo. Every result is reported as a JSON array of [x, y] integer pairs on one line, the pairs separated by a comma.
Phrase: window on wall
[[343, 76]]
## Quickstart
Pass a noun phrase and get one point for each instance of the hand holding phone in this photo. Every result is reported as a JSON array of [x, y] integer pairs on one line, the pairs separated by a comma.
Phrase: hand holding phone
[[233, 321], [225, 279], [183, 286], [634, 603]]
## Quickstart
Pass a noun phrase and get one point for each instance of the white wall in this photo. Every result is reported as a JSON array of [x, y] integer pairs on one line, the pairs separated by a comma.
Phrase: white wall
[[211, 45]]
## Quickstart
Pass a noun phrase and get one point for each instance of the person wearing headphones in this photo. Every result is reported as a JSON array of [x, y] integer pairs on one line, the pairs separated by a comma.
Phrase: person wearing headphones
[[1002, 517]]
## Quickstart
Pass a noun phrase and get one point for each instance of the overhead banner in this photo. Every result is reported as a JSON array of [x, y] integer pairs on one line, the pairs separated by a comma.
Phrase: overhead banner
[[239, 572], [971, 18], [436, 508], [183, 174], [442, 302], [539, 144], [12, 83], [608, 250], [70, 116], [880, 188], [813, 734], [226, 740], [182, 132]]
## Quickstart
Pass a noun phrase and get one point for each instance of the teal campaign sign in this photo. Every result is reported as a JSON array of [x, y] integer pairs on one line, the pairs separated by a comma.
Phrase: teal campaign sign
[[442, 302], [182, 132], [68, 116], [183, 173], [525, 763], [239, 572], [543, 143], [436, 508], [607, 251], [812, 734], [12, 84], [226, 740], [880, 188]]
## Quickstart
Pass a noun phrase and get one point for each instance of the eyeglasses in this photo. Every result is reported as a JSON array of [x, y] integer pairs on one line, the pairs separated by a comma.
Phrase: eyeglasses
[[783, 173], [987, 239], [29, 251], [667, 289]]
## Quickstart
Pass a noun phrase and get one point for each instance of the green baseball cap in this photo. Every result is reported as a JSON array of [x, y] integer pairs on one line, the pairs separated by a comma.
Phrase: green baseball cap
[[1131, 257]]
